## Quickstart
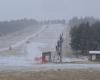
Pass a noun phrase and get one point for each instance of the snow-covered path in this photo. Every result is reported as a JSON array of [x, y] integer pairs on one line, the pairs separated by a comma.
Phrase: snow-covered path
[[46, 67], [49, 36]]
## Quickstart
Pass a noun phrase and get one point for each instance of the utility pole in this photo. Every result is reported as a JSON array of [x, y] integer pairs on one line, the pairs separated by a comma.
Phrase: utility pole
[[59, 47]]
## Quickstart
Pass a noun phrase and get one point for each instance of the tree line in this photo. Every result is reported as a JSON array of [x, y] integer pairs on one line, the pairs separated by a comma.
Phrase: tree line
[[7, 27], [85, 37]]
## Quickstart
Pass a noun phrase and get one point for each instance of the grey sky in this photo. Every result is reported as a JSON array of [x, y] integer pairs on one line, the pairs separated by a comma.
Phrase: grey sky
[[48, 9]]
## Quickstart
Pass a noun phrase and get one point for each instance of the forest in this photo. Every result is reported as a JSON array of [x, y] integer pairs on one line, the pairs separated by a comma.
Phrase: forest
[[85, 37]]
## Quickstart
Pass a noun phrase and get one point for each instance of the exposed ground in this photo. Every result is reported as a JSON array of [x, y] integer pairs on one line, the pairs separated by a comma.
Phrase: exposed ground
[[52, 75]]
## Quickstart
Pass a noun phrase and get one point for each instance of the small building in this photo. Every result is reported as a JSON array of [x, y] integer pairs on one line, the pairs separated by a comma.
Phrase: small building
[[94, 55], [46, 57]]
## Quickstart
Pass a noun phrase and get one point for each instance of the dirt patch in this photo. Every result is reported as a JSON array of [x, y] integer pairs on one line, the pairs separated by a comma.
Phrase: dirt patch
[[12, 52], [52, 75]]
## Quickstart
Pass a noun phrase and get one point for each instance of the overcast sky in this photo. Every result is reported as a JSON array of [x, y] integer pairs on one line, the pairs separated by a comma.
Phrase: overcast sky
[[48, 9]]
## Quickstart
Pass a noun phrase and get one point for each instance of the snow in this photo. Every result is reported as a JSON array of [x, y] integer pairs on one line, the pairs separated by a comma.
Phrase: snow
[[45, 38], [43, 67], [72, 59], [94, 52], [12, 61], [33, 51], [16, 43]]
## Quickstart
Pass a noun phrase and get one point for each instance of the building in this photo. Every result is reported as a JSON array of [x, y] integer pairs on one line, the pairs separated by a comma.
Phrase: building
[[94, 55]]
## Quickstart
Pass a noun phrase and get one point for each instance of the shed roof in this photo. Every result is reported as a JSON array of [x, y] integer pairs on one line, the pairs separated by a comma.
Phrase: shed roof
[[94, 52]]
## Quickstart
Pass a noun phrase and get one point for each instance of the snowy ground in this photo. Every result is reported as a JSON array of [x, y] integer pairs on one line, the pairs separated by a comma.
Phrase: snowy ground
[[17, 37], [47, 35], [47, 67]]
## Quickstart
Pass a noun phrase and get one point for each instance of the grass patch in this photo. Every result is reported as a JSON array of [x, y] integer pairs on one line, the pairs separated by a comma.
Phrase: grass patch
[[12, 52]]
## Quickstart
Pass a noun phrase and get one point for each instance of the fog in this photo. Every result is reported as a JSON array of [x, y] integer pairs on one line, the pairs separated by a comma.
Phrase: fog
[[48, 9]]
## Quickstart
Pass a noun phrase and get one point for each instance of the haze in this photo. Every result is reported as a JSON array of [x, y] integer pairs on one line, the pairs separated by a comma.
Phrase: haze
[[48, 9]]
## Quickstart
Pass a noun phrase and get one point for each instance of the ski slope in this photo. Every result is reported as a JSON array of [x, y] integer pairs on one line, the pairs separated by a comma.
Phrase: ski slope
[[19, 38], [43, 40]]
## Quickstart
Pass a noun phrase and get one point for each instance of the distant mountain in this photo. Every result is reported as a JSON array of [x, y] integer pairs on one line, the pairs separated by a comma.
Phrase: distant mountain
[[7, 27], [76, 21]]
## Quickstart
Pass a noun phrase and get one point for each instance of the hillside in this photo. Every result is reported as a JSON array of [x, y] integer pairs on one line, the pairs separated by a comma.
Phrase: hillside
[[7, 27]]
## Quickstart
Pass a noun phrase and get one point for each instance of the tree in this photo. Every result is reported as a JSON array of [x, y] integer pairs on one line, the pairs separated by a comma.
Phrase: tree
[[85, 34], [59, 47], [80, 38], [96, 35]]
